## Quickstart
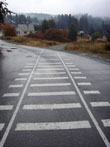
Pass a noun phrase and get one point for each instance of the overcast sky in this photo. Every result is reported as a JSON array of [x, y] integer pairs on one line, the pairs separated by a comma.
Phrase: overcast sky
[[92, 7]]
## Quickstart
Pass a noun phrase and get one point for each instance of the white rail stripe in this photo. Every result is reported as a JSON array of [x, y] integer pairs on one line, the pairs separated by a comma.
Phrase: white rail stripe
[[100, 131], [80, 77], [91, 92], [106, 122], [6, 107], [84, 84], [51, 69], [10, 124], [100, 104], [15, 86], [51, 78], [49, 63], [11, 94], [52, 106], [1, 126], [26, 69], [53, 126], [23, 74], [20, 79], [28, 66], [73, 68], [52, 73], [52, 93], [76, 73], [51, 84]]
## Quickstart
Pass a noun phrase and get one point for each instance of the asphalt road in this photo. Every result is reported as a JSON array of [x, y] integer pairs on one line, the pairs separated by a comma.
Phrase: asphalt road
[[53, 99]]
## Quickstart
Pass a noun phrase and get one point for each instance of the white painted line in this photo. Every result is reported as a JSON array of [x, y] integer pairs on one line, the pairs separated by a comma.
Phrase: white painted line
[[15, 86], [50, 63], [106, 122], [91, 92], [26, 69], [52, 106], [6, 107], [52, 93], [76, 73], [23, 74], [10, 124], [20, 79], [51, 69], [71, 65], [66, 59], [80, 77], [100, 131], [1, 126], [53, 126], [50, 59], [50, 66], [73, 68], [50, 84], [28, 66], [100, 104], [84, 84], [52, 73], [11, 94], [52, 78]]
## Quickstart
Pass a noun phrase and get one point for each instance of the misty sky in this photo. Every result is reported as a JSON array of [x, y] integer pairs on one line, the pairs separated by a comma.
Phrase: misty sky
[[92, 7]]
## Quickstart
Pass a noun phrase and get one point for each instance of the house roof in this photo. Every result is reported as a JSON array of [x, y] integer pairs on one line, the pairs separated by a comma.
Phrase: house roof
[[26, 27]]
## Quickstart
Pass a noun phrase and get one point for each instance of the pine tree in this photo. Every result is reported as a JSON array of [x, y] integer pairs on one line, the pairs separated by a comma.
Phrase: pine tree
[[72, 33], [45, 26]]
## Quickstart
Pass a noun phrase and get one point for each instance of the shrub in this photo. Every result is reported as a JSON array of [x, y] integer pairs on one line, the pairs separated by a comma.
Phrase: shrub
[[38, 35], [107, 47], [95, 36], [56, 35], [8, 30]]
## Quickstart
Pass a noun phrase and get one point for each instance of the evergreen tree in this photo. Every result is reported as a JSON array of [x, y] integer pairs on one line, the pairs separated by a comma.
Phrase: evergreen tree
[[72, 33], [51, 23], [45, 26]]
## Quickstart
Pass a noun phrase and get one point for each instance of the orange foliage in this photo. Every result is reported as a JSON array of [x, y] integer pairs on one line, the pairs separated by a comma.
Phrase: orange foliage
[[38, 35], [8, 30], [56, 35]]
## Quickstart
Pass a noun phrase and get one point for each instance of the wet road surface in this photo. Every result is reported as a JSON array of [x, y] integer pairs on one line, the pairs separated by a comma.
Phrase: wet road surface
[[53, 99]]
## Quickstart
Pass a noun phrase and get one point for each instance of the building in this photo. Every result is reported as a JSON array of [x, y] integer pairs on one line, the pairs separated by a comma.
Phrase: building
[[25, 29]]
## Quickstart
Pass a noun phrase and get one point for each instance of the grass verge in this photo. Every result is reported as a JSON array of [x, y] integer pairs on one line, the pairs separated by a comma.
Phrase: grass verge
[[30, 41], [97, 48]]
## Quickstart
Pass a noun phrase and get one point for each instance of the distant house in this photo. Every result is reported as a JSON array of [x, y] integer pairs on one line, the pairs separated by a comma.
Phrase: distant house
[[25, 29]]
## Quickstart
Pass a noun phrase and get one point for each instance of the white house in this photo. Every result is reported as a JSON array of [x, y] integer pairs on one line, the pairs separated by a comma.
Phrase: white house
[[25, 29]]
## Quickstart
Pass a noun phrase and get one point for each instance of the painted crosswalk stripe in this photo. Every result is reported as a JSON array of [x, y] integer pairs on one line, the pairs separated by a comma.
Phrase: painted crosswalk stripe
[[71, 65], [15, 86], [28, 66], [20, 79], [84, 84], [80, 77], [91, 92], [50, 73], [52, 93], [26, 69], [52, 106], [50, 84], [51, 69], [11, 94], [106, 122], [6, 107], [51, 78], [50, 59], [50, 66], [76, 73], [23, 74], [1, 126], [53, 126], [50, 63], [73, 68], [100, 104]]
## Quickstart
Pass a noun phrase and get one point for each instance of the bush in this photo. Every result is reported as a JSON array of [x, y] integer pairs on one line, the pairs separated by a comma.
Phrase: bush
[[56, 35], [107, 47], [8, 30], [38, 35]]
